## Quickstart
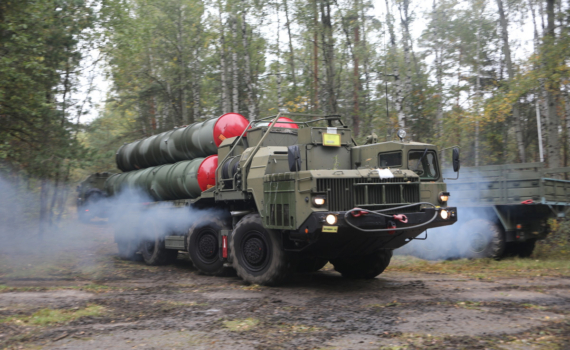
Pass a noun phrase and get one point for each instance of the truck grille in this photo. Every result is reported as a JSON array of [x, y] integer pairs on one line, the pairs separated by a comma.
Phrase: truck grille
[[372, 193]]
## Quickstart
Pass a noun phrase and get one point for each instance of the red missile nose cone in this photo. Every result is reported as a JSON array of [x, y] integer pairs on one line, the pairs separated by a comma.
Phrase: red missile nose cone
[[229, 125], [207, 172], [285, 125]]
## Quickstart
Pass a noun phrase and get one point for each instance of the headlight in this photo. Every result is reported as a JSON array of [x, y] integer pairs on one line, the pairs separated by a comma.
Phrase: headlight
[[319, 201], [401, 134], [331, 219], [443, 197], [444, 214]]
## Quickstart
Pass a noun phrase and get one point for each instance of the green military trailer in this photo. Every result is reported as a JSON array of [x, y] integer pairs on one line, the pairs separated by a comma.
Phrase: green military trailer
[[277, 197], [504, 211]]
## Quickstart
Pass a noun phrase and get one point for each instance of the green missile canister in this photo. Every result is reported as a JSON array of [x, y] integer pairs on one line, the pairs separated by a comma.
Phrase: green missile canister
[[182, 180], [193, 141]]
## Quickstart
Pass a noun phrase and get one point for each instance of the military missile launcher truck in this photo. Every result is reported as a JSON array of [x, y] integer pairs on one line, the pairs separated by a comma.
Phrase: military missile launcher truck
[[279, 196]]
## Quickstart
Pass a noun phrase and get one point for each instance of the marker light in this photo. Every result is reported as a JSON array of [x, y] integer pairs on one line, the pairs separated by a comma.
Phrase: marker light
[[319, 201], [331, 219], [443, 197], [444, 214]]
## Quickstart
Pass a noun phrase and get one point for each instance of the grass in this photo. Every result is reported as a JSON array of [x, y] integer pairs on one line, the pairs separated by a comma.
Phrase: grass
[[47, 317], [93, 288], [241, 325], [483, 268]]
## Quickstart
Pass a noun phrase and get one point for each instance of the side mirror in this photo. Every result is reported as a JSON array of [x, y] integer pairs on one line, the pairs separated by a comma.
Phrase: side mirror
[[456, 162]]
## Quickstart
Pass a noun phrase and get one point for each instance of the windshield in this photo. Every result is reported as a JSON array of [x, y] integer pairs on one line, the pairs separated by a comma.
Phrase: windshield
[[424, 163], [390, 159]]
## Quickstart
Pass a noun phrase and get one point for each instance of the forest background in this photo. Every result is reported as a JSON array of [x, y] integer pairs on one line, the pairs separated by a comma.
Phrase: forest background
[[463, 79]]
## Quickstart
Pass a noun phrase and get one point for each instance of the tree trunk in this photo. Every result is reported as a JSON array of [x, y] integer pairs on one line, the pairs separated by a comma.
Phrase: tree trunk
[[247, 69], [511, 73], [405, 22], [235, 105], [356, 83], [478, 95], [315, 58], [44, 192], [395, 72], [291, 51], [279, 101], [328, 55], [438, 50], [195, 88], [552, 92], [182, 68], [365, 66]]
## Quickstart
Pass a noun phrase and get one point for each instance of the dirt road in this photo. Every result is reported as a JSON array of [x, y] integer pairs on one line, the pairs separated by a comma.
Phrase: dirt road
[[97, 301]]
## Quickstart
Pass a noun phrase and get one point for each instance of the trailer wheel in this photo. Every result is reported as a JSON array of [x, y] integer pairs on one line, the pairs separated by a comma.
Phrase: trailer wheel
[[309, 264], [524, 249], [152, 246], [258, 256], [363, 267], [204, 246], [480, 238]]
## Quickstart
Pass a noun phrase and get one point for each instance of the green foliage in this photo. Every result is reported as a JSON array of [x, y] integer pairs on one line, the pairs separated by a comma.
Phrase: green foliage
[[39, 41], [557, 244]]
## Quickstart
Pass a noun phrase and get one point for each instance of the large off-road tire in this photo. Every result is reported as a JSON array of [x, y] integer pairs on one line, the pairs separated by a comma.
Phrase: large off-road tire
[[524, 249], [258, 255], [152, 246], [204, 246], [480, 238], [309, 264], [363, 267]]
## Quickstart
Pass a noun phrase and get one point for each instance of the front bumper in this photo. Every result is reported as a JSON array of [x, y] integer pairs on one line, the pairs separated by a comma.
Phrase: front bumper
[[372, 232]]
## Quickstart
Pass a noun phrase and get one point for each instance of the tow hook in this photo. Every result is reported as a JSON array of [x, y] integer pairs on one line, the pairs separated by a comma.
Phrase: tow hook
[[401, 218], [357, 212]]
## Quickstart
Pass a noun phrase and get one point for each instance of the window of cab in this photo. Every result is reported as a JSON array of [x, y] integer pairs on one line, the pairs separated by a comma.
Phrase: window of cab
[[390, 159], [424, 163]]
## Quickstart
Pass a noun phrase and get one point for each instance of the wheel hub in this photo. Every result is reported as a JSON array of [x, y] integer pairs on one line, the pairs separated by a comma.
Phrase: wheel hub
[[255, 251], [207, 246], [478, 243]]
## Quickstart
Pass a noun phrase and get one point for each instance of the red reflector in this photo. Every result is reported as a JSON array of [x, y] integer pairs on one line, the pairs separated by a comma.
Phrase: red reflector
[[528, 201], [391, 224], [86, 209], [224, 246]]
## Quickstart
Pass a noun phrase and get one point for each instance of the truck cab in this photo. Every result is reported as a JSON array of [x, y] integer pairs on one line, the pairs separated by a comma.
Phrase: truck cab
[[329, 198]]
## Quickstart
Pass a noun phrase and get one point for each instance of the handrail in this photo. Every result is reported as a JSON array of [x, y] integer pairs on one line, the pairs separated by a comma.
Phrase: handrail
[[252, 154]]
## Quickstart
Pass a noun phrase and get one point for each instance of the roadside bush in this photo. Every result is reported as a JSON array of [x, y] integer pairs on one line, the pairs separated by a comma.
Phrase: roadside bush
[[557, 244]]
